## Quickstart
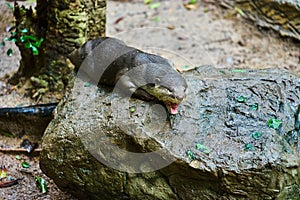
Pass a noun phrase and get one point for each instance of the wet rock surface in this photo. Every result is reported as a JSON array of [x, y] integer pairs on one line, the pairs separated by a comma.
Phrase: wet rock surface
[[236, 136]]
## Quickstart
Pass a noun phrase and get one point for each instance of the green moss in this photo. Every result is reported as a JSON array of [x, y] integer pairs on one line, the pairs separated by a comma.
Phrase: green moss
[[291, 192]]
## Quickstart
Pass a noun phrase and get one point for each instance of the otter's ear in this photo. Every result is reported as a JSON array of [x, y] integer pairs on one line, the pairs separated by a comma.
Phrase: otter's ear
[[157, 81]]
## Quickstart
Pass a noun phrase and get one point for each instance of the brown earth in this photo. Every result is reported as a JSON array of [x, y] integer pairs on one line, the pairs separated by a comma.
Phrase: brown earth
[[206, 34]]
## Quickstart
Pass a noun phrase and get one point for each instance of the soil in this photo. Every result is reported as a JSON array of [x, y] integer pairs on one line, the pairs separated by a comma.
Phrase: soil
[[204, 35]]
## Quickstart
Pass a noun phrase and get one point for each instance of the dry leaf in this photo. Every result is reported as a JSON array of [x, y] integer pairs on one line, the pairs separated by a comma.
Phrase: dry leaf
[[191, 6]]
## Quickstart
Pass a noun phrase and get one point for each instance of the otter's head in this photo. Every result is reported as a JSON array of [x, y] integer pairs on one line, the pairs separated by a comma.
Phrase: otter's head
[[170, 88]]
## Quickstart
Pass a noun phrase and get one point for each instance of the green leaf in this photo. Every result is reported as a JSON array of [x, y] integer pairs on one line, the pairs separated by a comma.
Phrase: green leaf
[[257, 135], [6, 134], [156, 19], [240, 11], [23, 10], [2, 44], [248, 147], [3, 171], [147, 1], [241, 99], [29, 37], [8, 39], [22, 38], [88, 84], [154, 5], [31, 1], [274, 123], [24, 30], [13, 33], [38, 43], [185, 67], [35, 50], [27, 45], [202, 148], [25, 164], [41, 183], [9, 6], [238, 70], [9, 52], [191, 155], [222, 72], [18, 157], [192, 1], [132, 109], [254, 106]]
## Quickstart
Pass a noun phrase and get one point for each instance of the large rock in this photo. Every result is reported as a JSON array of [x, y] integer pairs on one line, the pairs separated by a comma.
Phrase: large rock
[[223, 143]]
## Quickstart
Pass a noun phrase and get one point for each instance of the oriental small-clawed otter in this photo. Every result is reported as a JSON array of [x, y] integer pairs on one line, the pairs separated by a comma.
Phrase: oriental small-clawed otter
[[111, 62]]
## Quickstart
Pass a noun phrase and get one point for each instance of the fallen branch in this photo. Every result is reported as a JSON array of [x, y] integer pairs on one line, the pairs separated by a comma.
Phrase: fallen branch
[[10, 183], [18, 150]]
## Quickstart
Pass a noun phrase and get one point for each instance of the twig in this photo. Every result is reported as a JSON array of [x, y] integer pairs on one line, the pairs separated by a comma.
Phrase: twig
[[18, 150], [10, 183], [218, 40]]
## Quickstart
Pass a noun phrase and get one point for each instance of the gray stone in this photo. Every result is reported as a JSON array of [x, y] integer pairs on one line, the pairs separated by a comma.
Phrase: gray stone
[[98, 148]]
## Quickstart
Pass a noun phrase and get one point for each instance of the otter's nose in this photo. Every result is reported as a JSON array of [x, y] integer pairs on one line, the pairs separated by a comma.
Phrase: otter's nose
[[180, 97]]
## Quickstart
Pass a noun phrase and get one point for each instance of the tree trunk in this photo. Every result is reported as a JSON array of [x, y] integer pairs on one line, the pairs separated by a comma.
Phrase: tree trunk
[[64, 25]]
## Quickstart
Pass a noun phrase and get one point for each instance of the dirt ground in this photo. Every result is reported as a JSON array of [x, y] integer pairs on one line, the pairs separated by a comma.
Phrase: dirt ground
[[204, 35]]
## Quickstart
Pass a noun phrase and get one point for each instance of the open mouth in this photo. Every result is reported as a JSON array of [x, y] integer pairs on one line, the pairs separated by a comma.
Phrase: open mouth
[[172, 107]]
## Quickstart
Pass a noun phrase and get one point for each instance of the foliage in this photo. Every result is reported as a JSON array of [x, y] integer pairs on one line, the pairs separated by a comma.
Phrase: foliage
[[192, 1], [154, 5], [29, 41], [147, 1], [202, 148], [254, 106], [132, 109], [3, 172], [191, 155], [241, 99], [6, 134], [248, 147], [257, 135], [25, 164], [9, 6], [42, 184], [274, 123]]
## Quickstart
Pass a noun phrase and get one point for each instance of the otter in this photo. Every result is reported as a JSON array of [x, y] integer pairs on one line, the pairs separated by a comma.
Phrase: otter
[[109, 61]]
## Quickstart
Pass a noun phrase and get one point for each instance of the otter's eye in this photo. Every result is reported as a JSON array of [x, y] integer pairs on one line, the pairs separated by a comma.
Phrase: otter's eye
[[172, 93]]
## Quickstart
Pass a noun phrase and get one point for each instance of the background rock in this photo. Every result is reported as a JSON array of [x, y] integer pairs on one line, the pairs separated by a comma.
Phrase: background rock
[[209, 150]]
